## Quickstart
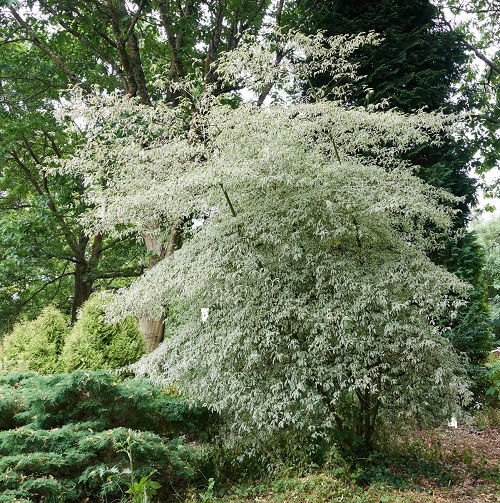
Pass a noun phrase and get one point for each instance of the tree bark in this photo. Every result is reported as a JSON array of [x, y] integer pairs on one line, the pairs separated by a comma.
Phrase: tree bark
[[84, 272], [153, 331], [82, 289]]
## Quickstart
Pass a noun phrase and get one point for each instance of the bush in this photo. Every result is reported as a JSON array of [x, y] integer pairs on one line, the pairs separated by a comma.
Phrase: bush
[[493, 380], [75, 462], [36, 345], [47, 402], [69, 436], [95, 344], [47, 345]]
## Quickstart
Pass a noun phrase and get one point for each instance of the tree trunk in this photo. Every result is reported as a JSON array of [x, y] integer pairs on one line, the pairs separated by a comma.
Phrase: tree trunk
[[137, 70], [83, 289], [84, 279], [367, 418], [153, 331]]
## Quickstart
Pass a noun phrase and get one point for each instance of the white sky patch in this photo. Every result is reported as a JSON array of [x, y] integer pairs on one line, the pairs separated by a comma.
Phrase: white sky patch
[[494, 174]]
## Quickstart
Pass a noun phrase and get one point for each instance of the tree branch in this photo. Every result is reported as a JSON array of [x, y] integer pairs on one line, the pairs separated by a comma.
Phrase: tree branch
[[51, 203], [55, 148], [476, 51], [134, 20], [124, 273], [229, 203], [14, 40], [37, 42], [215, 41], [45, 285], [172, 40], [279, 56], [86, 40]]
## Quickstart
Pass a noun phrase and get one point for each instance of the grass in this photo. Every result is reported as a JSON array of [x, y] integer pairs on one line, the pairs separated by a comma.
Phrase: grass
[[313, 488]]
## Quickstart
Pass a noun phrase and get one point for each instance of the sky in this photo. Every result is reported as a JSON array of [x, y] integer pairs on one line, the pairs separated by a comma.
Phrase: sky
[[493, 174]]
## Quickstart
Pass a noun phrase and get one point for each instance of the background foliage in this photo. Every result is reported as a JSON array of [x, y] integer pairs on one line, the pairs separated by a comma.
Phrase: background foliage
[[95, 344], [49, 345], [36, 345], [418, 64]]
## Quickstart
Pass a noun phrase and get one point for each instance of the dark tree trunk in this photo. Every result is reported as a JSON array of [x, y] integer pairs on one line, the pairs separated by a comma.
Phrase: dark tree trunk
[[82, 289], [137, 70], [367, 418], [84, 269]]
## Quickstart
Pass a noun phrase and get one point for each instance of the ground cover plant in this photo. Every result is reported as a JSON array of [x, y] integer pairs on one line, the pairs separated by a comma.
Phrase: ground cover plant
[[433, 466], [90, 436], [68, 437]]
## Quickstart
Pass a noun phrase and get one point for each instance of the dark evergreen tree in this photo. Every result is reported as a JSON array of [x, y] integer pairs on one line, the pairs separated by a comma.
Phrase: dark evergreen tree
[[416, 65]]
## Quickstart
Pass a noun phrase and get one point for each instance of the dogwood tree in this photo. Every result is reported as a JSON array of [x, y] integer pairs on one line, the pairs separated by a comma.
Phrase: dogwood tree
[[308, 302]]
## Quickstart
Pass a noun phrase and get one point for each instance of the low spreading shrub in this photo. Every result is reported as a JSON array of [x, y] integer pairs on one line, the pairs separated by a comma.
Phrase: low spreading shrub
[[68, 437], [47, 402], [74, 462], [95, 344]]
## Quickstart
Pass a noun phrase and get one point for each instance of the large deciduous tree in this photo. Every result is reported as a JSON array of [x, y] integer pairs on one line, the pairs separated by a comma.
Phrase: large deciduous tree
[[46, 255], [117, 45]]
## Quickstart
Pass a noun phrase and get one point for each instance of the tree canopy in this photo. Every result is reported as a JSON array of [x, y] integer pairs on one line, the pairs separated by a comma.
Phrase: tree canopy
[[311, 255]]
